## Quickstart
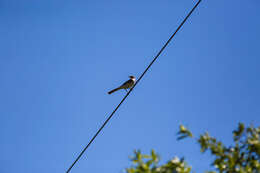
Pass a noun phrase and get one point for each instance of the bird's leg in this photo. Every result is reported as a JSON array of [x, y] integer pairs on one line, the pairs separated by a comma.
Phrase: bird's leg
[[126, 90]]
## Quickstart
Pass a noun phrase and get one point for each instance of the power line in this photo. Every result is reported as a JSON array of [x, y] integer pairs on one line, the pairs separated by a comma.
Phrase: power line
[[158, 54]]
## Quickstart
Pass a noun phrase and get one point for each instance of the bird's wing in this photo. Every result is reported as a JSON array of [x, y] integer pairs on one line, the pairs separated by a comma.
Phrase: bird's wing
[[127, 84]]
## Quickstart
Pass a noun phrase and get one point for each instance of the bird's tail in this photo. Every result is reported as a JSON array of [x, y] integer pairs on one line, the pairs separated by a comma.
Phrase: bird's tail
[[114, 90]]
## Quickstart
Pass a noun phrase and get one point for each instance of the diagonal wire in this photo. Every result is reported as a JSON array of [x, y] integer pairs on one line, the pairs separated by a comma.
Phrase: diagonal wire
[[158, 54]]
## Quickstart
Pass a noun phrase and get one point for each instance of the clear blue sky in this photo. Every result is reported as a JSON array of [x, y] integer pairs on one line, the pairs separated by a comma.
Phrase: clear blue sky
[[59, 58]]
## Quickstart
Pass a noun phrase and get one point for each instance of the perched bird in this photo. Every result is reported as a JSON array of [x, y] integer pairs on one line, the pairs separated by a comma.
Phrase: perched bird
[[127, 85]]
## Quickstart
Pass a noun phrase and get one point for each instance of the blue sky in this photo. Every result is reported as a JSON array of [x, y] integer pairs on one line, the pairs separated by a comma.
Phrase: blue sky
[[59, 59]]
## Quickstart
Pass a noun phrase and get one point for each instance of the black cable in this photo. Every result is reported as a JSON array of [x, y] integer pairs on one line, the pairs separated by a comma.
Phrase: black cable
[[158, 54]]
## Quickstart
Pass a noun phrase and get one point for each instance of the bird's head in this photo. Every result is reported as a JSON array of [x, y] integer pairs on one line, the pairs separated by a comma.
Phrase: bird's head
[[131, 77]]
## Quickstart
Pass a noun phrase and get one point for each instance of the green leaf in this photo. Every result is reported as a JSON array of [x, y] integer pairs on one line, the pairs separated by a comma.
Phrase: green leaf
[[183, 132]]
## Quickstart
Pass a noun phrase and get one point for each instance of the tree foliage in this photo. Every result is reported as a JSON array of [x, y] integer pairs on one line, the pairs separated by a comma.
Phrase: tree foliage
[[241, 157], [149, 164]]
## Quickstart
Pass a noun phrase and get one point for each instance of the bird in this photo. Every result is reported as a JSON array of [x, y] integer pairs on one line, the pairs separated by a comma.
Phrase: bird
[[127, 85]]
